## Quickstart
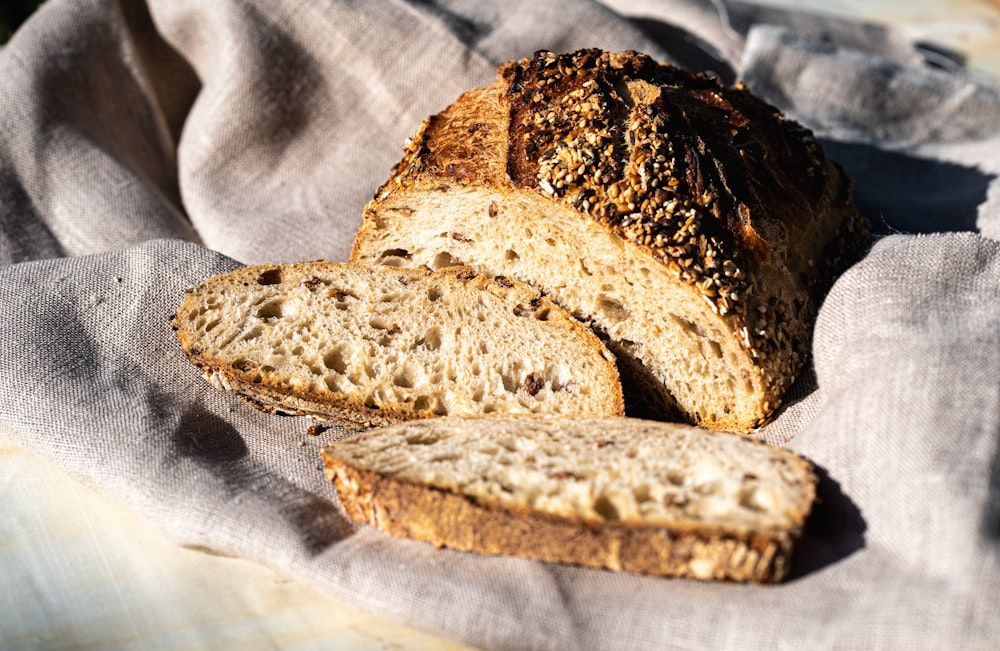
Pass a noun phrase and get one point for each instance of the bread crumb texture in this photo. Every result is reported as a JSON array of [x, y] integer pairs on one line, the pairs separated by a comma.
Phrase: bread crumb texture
[[361, 346], [688, 222], [622, 494]]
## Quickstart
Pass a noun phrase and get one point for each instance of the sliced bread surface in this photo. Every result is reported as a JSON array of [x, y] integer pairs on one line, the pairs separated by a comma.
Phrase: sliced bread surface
[[690, 223], [359, 346], [617, 493]]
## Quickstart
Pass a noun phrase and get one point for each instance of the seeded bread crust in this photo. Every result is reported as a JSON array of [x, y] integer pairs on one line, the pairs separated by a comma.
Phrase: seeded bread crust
[[376, 489], [362, 347], [709, 191]]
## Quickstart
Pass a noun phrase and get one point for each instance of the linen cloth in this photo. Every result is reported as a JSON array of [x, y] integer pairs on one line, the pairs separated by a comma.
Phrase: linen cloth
[[147, 145]]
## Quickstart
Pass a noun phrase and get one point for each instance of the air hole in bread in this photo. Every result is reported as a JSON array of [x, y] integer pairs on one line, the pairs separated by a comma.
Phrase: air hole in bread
[[559, 378], [434, 293], [404, 379], [420, 436], [381, 323], [271, 310], [584, 268], [754, 498], [341, 296], [550, 241], [716, 348], [686, 326], [252, 333], [211, 325], [269, 277], [335, 361], [533, 308], [332, 383], [606, 509], [511, 255], [612, 308], [443, 260], [386, 256], [244, 365], [431, 340], [422, 403], [511, 377]]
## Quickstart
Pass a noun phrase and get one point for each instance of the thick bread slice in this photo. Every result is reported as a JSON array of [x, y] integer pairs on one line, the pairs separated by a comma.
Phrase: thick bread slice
[[690, 223], [623, 494], [360, 346]]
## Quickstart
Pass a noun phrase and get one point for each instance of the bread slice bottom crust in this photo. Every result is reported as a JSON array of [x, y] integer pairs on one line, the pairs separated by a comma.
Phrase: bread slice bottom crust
[[617, 493], [448, 519]]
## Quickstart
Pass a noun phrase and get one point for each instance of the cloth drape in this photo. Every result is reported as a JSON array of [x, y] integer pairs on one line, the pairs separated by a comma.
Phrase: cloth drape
[[146, 145]]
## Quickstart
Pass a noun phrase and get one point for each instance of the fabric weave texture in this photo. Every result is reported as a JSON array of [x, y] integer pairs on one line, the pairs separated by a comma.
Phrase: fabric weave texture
[[145, 146]]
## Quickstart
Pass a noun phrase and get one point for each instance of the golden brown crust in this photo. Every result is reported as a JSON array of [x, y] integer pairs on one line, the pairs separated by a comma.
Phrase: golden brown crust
[[449, 519], [735, 200]]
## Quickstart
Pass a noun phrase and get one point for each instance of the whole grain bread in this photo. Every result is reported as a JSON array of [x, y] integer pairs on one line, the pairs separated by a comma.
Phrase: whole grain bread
[[689, 223], [623, 494], [359, 346]]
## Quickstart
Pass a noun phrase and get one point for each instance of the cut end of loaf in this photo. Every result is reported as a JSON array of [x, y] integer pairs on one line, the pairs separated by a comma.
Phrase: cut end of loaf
[[361, 346], [620, 494], [690, 223]]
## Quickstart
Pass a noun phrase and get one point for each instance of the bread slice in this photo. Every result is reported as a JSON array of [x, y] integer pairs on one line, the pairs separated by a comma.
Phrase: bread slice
[[691, 224], [622, 494], [359, 346]]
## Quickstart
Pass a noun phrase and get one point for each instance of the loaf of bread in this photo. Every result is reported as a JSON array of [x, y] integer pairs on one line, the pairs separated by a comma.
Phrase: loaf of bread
[[689, 223], [623, 494], [358, 346]]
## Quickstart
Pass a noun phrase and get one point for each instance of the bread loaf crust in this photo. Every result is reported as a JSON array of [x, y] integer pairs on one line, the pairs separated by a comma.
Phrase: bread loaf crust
[[733, 200]]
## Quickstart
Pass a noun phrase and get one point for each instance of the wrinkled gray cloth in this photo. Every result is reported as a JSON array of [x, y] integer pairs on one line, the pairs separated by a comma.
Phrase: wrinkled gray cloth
[[146, 146]]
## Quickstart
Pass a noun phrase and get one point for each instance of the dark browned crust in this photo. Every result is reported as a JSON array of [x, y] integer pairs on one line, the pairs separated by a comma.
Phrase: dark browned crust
[[449, 519], [739, 202]]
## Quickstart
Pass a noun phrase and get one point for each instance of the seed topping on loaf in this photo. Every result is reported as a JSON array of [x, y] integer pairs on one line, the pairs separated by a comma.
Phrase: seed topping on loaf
[[673, 161], [737, 203]]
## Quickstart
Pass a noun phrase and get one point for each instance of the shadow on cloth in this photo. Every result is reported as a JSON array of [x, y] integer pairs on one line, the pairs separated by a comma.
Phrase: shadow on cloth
[[217, 447], [900, 192], [989, 527], [686, 49], [835, 530]]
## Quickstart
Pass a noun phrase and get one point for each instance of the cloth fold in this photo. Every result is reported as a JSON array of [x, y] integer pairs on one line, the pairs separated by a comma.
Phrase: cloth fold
[[147, 145]]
